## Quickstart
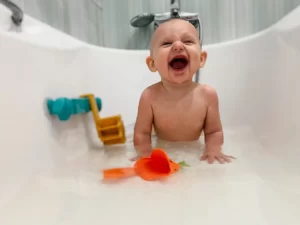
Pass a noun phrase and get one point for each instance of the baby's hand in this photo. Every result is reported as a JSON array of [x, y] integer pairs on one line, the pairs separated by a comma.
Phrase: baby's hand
[[211, 156], [140, 155]]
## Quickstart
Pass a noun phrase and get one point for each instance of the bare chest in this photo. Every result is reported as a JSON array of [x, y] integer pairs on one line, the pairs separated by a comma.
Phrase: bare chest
[[184, 116]]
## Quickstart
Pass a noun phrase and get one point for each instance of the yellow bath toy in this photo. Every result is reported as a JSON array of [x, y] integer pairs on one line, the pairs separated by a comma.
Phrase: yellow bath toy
[[110, 129]]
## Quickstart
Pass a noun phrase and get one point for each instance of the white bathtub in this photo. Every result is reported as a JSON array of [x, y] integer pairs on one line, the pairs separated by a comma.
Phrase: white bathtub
[[50, 170]]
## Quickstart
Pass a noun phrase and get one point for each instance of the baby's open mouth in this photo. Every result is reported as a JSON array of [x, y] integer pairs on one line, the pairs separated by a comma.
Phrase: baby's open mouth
[[179, 62]]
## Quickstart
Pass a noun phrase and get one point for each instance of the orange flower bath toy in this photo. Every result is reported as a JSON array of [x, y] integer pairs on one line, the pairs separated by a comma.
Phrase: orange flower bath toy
[[155, 167]]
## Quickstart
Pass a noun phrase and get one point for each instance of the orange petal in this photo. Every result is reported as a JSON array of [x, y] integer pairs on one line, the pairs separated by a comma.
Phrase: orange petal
[[158, 153], [160, 161], [145, 170]]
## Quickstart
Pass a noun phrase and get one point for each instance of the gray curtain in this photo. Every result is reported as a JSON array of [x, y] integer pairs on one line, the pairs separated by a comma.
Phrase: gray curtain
[[107, 22]]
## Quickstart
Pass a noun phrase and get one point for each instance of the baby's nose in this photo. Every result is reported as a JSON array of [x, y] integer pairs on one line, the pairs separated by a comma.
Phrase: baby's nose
[[177, 46]]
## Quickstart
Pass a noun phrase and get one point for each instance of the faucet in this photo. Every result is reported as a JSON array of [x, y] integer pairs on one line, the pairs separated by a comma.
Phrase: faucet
[[17, 13], [175, 8]]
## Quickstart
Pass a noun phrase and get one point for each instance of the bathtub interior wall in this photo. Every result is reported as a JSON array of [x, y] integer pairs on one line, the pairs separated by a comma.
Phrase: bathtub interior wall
[[261, 90], [282, 132], [240, 72], [256, 79], [32, 141]]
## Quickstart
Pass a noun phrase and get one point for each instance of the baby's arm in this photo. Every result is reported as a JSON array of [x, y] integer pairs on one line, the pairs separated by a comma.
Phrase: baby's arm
[[213, 131], [143, 125], [213, 127]]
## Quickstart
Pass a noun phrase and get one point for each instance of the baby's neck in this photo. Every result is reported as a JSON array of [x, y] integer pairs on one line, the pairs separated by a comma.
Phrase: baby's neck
[[174, 88]]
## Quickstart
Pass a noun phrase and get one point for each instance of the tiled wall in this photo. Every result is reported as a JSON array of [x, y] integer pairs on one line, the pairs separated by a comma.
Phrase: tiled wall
[[107, 22]]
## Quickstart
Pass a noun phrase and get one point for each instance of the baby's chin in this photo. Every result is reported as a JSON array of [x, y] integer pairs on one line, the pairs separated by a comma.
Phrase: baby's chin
[[180, 79], [183, 77]]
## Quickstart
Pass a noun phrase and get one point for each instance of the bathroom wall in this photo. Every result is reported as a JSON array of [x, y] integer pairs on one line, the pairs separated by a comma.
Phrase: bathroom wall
[[80, 18], [107, 22], [222, 19]]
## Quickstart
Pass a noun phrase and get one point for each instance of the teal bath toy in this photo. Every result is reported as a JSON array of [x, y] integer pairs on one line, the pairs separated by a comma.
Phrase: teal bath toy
[[64, 108]]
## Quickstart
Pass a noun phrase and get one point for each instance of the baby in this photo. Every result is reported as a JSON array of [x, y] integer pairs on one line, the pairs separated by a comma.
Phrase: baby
[[176, 107]]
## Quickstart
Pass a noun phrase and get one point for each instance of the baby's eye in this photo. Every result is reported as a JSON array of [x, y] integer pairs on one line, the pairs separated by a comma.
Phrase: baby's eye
[[188, 42], [166, 43]]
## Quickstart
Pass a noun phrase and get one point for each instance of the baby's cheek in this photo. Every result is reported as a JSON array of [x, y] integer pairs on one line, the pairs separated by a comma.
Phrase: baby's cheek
[[195, 61], [161, 64]]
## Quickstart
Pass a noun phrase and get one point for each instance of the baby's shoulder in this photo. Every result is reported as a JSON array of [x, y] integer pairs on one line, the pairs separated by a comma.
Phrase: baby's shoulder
[[150, 92], [207, 92]]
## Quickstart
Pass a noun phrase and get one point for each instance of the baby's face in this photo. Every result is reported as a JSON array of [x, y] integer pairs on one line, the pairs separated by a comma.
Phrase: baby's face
[[175, 51]]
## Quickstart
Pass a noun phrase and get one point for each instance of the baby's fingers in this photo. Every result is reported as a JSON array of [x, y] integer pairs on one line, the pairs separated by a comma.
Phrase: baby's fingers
[[228, 158], [140, 155], [135, 158], [221, 159], [203, 157], [211, 159]]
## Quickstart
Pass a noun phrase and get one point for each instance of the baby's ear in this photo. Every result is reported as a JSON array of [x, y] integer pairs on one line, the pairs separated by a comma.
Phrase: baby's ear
[[203, 57], [150, 64]]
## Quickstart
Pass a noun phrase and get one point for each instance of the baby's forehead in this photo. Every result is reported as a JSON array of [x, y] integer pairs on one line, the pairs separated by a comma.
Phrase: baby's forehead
[[173, 26], [176, 23]]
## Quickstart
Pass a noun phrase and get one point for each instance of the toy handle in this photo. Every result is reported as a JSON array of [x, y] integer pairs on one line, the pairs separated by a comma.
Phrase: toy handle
[[118, 173], [64, 108]]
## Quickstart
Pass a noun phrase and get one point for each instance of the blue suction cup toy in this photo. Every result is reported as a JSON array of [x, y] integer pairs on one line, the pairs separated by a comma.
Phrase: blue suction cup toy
[[64, 108]]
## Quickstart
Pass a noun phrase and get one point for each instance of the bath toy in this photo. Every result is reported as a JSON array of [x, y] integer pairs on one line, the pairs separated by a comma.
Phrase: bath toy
[[65, 107], [156, 166], [110, 129]]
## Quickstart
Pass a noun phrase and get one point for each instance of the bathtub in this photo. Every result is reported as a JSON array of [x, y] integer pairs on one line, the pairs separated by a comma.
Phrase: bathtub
[[50, 170]]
